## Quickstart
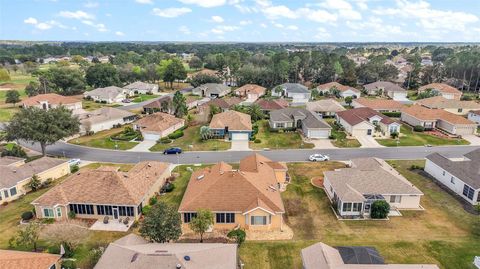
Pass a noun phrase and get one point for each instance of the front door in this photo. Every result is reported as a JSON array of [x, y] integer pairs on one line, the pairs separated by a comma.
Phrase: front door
[[115, 213], [369, 132]]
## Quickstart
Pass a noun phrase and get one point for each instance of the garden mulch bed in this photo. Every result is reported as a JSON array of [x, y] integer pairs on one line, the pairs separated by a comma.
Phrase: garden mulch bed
[[317, 182]]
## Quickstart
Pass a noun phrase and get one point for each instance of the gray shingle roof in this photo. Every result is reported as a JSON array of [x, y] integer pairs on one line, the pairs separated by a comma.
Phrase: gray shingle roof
[[467, 171], [387, 85], [295, 88], [308, 118], [109, 92], [139, 85], [325, 105]]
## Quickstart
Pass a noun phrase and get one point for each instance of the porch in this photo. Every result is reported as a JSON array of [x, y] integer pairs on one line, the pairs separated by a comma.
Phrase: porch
[[113, 225]]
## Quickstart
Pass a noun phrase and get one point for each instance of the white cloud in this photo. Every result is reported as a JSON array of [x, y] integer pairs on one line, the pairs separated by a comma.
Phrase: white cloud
[[172, 12], [217, 19], [292, 27], [245, 22], [205, 3], [221, 29], [184, 29], [322, 34], [99, 26], [144, 1], [318, 15], [79, 15], [118, 33], [246, 9], [263, 25], [45, 25], [30, 21], [276, 12], [91, 4], [336, 4]]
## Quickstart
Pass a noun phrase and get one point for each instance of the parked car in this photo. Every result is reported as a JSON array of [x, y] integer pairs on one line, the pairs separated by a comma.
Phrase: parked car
[[126, 101], [73, 162], [318, 158], [172, 151]]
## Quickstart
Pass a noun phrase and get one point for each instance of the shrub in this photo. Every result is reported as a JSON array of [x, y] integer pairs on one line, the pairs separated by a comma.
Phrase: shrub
[[71, 215], [168, 187], [74, 168], [48, 221], [257, 141], [13, 150], [69, 264], [379, 209], [238, 235], [27, 215], [392, 114], [466, 98], [332, 136], [165, 140], [146, 209], [176, 134], [103, 102], [418, 128], [153, 200], [394, 135], [5, 203]]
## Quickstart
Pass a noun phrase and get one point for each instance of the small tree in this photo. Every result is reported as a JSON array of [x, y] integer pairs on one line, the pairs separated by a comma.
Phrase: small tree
[[27, 236], [348, 100], [69, 234], [394, 135], [34, 183], [162, 224], [278, 90], [205, 132], [179, 105], [12, 97], [379, 209], [213, 110], [255, 112], [202, 222], [238, 235]]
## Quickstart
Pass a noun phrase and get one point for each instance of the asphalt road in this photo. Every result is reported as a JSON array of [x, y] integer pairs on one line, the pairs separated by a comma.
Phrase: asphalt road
[[290, 155]]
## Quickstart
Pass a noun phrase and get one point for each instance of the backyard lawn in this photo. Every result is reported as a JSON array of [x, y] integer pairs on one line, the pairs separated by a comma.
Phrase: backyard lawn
[[277, 140], [409, 137], [7, 112], [191, 141], [144, 97], [341, 140], [102, 140], [91, 105]]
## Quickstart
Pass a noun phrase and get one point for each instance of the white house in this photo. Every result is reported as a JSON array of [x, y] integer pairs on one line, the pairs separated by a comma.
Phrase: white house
[[104, 118], [344, 91], [111, 94], [299, 93], [142, 87], [462, 177], [474, 116], [364, 120]]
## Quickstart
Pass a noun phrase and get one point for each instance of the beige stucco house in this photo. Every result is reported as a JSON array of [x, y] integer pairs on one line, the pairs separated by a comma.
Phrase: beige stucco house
[[442, 89], [158, 125], [53, 100], [450, 105], [363, 121], [104, 118]]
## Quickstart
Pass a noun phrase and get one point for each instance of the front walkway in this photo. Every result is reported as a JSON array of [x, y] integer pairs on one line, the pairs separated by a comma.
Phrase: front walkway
[[113, 225], [473, 139], [367, 141], [239, 145], [144, 146]]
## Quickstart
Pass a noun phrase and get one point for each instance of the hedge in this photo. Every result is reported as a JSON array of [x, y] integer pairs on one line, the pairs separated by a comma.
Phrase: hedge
[[176, 134], [392, 114], [418, 128], [27, 215]]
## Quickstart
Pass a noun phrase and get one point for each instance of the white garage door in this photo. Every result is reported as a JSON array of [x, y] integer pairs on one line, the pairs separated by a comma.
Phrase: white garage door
[[150, 137], [240, 136], [318, 134]]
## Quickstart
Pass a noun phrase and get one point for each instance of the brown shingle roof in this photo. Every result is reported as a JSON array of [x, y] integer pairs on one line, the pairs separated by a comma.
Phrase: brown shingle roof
[[250, 88], [158, 122], [105, 185], [225, 103], [52, 98], [12, 259], [441, 87], [380, 104], [271, 104], [338, 86], [426, 114], [357, 115], [219, 188], [158, 102], [234, 120], [9, 160], [325, 105]]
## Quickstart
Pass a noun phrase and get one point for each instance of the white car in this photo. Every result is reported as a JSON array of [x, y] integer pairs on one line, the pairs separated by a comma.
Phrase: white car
[[73, 162], [318, 158]]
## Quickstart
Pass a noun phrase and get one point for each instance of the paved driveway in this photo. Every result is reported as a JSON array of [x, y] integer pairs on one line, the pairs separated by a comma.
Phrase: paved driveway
[[144, 146], [321, 143], [473, 139], [241, 145], [368, 142]]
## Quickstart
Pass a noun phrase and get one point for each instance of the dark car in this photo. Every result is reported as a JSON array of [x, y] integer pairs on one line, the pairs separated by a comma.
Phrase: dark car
[[172, 151]]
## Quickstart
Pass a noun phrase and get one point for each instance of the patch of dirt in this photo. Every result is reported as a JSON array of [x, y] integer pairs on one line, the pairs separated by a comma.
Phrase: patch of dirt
[[317, 182]]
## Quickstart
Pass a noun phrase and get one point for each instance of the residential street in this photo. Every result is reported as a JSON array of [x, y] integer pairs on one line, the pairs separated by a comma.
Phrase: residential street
[[291, 155]]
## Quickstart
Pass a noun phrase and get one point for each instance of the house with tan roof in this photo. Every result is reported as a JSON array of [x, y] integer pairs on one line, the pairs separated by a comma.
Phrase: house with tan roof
[[12, 259], [224, 103], [140, 87], [443, 89], [52, 100], [211, 90], [269, 105], [132, 251], [105, 191], [104, 118], [158, 125], [251, 92], [325, 107], [111, 94], [235, 125], [364, 121], [344, 91], [248, 197], [386, 88], [353, 190], [450, 105], [293, 118], [430, 119], [323, 256], [379, 105], [474, 116], [15, 174]]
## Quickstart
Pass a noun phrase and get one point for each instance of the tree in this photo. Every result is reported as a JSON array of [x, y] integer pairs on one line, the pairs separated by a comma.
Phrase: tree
[[162, 224], [43, 126], [195, 63], [69, 234], [255, 112], [14, 150], [12, 97], [4, 75], [179, 105], [201, 79], [238, 235], [379, 210], [348, 100], [27, 236], [34, 183], [202, 222], [174, 71], [32, 89], [102, 75], [205, 132], [64, 81], [213, 110]]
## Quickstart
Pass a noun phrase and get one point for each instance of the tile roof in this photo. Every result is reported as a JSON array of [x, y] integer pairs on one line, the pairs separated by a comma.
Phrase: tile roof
[[426, 114], [369, 176], [379, 104], [358, 115], [250, 88], [109, 92], [104, 114], [106, 185], [137, 255], [444, 103], [157, 103], [12, 259], [467, 171], [325, 105], [441, 87], [234, 120], [51, 98], [338, 86], [225, 102], [220, 188], [11, 175], [386, 85], [158, 122], [271, 104], [476, 112], [140, 85]]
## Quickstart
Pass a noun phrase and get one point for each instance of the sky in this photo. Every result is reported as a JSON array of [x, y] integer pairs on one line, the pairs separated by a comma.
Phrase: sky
[[242, 20]]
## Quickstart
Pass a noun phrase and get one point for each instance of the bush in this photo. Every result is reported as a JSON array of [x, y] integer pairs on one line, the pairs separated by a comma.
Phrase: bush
[[379, 209], [74, 168], [146, 209], [418, 128], [69, 264], [176, 134], [48, 221], [394, 135], [168, 187], [14, 150], [71, 215], [152, 201], [257, 141], [332, 136], [392, 114], [27, 215], [238, 235], [165, 140], [466, 98]]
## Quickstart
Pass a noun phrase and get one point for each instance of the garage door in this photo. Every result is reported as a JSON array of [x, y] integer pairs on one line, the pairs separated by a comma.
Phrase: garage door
[[318, 134], [151, 137], [239, 136]]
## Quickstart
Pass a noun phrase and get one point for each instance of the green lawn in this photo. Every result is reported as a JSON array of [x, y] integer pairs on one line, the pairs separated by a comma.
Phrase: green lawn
[[341, 140], [411, 138], [441, 234], [7, 112], [277, 140], [91, 105], [191, 141], [144, 97], [102, 140]]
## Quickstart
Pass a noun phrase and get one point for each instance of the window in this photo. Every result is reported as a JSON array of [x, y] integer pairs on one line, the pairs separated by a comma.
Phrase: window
[[13, 191], [468, 192], [331, 189], [53, 266], [225, 217], [443, 173], [258, 220], [395, 199], [187, 217], [393, 129], [59, 212], [5, 193], [478, 197], [357, 207], [460, 110], [48, 213], [347, 207], [82, 209], [452, 180], [280, 125]]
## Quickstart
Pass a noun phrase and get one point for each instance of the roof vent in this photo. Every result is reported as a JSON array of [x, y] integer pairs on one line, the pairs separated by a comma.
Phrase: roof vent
[[179, 266], [200, 177], [187, 258], [134, 257], [149, 165]]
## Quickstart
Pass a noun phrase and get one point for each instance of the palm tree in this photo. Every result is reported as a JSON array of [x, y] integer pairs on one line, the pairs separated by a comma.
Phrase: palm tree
[[205, 132], [255, 112]]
